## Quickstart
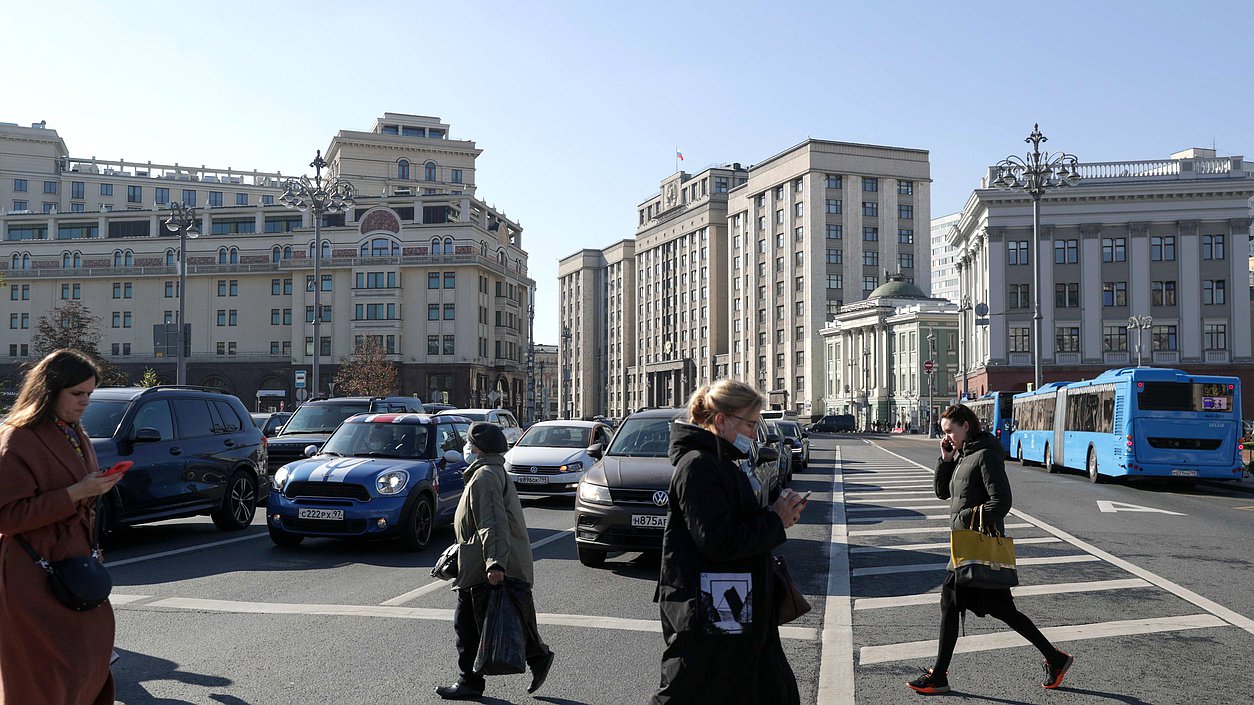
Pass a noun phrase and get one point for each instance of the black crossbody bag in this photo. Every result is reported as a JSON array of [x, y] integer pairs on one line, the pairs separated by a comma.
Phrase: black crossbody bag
[[81, 583]]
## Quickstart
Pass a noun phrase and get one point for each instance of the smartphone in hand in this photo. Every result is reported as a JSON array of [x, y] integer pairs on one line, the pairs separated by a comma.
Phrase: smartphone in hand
[[805, 496], [119, 468]]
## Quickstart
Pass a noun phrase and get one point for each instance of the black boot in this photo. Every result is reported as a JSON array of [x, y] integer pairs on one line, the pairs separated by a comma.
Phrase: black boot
[[540, 670], [459, 691]]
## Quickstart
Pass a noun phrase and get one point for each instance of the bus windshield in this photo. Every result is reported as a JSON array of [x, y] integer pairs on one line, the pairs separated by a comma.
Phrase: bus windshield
[[1186, 396]]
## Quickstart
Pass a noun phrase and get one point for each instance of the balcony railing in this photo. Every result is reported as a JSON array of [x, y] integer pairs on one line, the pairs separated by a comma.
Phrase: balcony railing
[[1067, 358], [1116, 358], [1216, 355], [1158, 169], [1166, 357]]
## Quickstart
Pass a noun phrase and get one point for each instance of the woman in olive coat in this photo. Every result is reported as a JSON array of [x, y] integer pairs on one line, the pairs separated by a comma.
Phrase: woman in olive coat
[[971, 474], [49, 482]]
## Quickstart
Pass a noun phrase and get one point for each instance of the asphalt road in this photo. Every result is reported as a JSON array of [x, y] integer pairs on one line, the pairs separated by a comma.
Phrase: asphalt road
[[1156, 607]]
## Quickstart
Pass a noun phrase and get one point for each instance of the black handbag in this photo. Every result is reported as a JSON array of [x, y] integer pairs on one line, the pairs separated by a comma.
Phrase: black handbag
[[790, 603], [80, 583], [445, 567]]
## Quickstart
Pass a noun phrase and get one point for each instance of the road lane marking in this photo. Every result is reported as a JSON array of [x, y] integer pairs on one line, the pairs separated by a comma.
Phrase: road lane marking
[[931, 598], [1004, 640], [894, 501], [117, 600], [925, 567], [944, 545], [900, 509], [1216, 609], [836, 670], [864, 494], [1112, 507], [897, 517], [437, 584], [922, 530], [189, 549]]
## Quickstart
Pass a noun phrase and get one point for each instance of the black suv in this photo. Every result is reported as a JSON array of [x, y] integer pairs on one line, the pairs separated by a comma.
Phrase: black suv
[[195, 449], [834, 423], [315, 420]]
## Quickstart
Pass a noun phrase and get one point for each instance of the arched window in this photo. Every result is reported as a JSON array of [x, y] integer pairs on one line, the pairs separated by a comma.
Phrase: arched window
[[483, 249], [326, 249], [25, 260], [171, 258], [448, 246], [380, 247], [276, 253], [78, 260], [20, 260], [436, 246], [66, 259], [128, 258], [402, 169], [500, 258], [234, 252], [287, 252], [223, 255], [117, 258], [428, 171]]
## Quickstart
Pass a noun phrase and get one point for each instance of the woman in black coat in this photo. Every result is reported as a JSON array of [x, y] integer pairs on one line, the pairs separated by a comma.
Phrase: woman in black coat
[[971, 473], [715, 589]]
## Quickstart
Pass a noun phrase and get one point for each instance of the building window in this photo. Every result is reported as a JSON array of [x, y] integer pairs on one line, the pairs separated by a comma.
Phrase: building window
[[834, 206], [215, 199], [162, 195], [1115, 294], [1215, 336], [433, 312], [1163, 293], [835, 231], [51, 187], [835, 281], [1017, 252], [1212, 247], [870, 184], [18, 206], [134, 194], [450, 280], [905, 212], [1067, 339], [241, 199], [428, 171], [871, 258], [1066, 251], [870, 209], [20, 185], [1019, 296], [1020, 339], [1163, 249], [189, 199], [433, 280], [1114, 339], [905, 236], [1163, 338], [1213, 291], [870, 234], [835, 256], [1066, 295], [1114, 249], [905, 188], [835, 181], [455, 176], [870, 283], [402, 169], [78, 190], [905, 260]]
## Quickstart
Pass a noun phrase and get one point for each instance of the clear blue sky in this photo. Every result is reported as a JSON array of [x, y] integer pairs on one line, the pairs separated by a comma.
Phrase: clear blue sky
[[578, 106]]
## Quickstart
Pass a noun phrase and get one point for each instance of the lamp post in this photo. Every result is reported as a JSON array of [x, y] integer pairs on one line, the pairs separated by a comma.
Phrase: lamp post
[[964, 347], [182, 220], [1036, 174], [931, 387], [566, 395], [531, 361], [866, 382], [319, 196], [1138, 324]]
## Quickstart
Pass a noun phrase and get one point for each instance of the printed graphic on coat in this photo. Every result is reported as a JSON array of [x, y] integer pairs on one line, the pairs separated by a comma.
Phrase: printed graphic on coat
[[727, 602]]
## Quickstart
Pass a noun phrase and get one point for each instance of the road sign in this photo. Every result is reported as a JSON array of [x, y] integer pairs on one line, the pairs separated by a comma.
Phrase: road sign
[[928, 366], [302, 394], [300, 379], [493, 396]]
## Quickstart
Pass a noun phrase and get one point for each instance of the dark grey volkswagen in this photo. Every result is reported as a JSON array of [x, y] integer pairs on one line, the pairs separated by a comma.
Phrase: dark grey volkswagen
[[195, 449]]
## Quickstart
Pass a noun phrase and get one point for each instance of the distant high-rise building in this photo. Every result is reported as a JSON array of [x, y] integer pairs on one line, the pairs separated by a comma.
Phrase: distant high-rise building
[[944, 271]]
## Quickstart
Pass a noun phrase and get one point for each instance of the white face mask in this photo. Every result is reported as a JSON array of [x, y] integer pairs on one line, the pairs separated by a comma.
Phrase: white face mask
[[743, 443], [469, 455]]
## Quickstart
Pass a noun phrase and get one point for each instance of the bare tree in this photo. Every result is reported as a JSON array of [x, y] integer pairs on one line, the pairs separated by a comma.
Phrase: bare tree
[[368, 372], [72, 325]]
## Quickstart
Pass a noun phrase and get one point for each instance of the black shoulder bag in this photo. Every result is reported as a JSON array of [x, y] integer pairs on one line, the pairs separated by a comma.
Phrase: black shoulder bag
[[81, 583]]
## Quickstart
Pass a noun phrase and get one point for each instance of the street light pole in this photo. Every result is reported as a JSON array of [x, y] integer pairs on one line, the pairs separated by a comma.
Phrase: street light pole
[[183, 221], [1036, 174], [319, 196], [1139, 323], [931, 387], [566, 391], [866, 382], [531, 361], [964, 347]]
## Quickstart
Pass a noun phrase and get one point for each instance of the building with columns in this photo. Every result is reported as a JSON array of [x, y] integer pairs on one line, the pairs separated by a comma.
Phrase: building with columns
[[875, 355], [420, 263], [1164, 238]]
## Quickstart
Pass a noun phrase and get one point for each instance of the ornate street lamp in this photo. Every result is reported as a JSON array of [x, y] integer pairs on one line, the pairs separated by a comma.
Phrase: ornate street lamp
[[1138, 324], [1036, 174], [319, 196], [182, 220]]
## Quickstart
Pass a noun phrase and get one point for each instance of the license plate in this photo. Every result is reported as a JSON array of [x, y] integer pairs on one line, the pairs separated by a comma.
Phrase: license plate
[[649, 521], [323, 514], [531, 480], [1184, 473]]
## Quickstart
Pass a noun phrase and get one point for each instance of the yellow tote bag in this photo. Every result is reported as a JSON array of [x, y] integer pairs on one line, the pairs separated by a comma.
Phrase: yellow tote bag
[[980, 559]]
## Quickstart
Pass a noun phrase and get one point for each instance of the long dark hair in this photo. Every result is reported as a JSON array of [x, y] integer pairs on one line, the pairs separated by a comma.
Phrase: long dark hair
[[961, 413], [37, 402]]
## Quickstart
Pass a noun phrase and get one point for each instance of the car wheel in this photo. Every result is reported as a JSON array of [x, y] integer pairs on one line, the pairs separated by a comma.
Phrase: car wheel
[[419, 525], [239, 502], [590, 557], [1094, 476], [282, 539]]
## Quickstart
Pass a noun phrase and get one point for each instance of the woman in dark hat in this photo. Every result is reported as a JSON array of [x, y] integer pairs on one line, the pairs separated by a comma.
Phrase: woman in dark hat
[[493, 548]]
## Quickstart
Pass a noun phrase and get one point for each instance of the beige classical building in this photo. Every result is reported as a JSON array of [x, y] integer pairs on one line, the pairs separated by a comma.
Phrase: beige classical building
[[420, 263], [1164, 238]]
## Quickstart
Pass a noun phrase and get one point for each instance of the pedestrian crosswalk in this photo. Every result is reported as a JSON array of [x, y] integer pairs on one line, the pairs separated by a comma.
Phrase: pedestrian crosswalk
[[896, 534]]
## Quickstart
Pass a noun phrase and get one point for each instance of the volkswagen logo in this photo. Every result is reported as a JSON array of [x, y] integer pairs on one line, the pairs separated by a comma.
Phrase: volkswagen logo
[[535, 469], [660, 498]]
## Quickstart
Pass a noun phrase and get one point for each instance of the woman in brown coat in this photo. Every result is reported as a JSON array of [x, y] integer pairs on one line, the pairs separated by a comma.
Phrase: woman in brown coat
[[49, 482]]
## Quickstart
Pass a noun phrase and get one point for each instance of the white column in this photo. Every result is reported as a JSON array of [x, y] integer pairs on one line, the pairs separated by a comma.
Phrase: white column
[[1189, 290], [1047, 294], [1239, 311], [1091, 298]]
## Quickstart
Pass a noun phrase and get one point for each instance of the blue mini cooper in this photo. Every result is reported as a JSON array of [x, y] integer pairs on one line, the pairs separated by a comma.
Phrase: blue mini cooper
[[378, 476]]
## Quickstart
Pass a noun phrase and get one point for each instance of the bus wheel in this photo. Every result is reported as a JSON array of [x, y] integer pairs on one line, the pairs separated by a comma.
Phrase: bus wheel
[[1049, 459], [1022, 462], [1094, 476]]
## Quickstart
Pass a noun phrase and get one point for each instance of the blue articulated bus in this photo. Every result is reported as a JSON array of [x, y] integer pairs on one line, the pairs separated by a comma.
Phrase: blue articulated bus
[[995, 411], [1143, 422], [1034, 423]]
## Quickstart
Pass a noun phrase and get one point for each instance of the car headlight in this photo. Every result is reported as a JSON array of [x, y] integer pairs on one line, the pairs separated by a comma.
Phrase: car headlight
[[571, 467], [390, 483], [594, 494], [280, 478]]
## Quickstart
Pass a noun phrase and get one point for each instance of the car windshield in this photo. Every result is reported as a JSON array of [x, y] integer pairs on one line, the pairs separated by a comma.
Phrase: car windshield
[[322, 417], [380, 440], [642, 438], [556, 437], [102, 417]]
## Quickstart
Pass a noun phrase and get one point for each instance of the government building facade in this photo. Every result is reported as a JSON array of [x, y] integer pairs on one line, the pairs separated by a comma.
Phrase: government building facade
[[420, 264]]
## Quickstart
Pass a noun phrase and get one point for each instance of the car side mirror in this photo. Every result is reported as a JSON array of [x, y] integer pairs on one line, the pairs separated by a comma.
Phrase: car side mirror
[[596, 451], [452, 456], [805, 433], [311, 450], [773, 438], [767, 455], [147, 435]]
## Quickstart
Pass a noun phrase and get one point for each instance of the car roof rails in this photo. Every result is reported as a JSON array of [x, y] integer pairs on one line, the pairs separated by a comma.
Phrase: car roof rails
[[148, 390]]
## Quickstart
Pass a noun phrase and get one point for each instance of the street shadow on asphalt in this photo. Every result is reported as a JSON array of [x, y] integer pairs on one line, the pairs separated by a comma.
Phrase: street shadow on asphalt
[[642, 566], [558, 701], [1116, 697], [133, 669]]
